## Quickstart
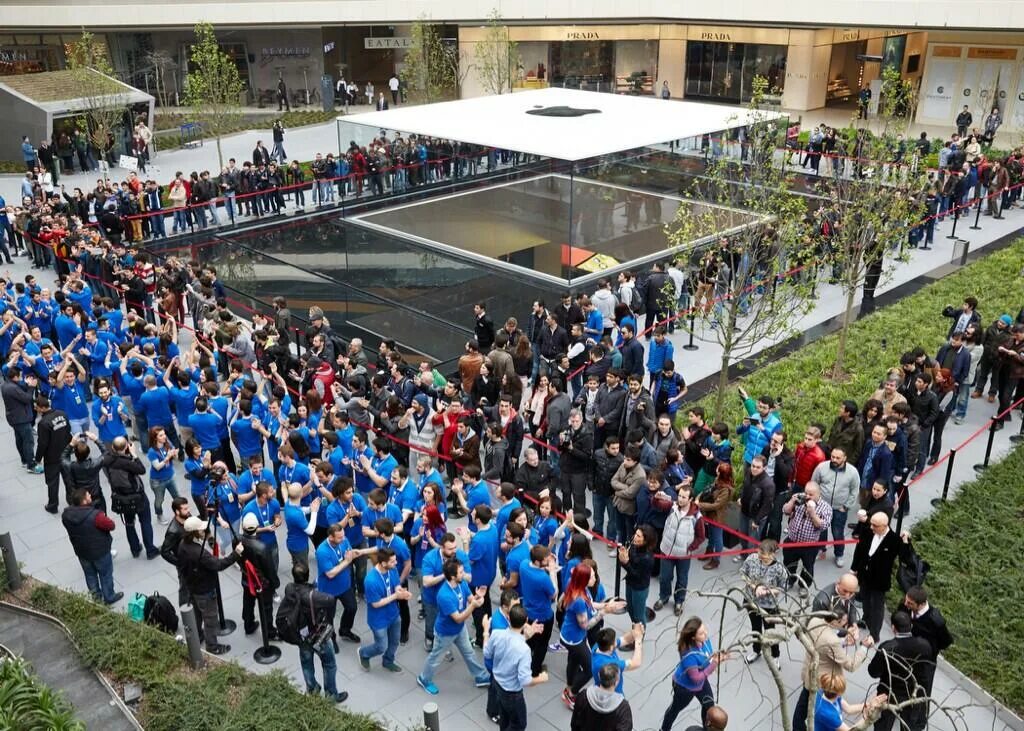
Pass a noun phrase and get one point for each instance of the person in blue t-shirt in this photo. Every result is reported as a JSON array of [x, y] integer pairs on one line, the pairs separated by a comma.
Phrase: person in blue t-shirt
[[109, 413], [455, 604], [183, 399], [300, 525], [334, 560], [384, 591], [432, 572], [509, 502], [246, 431], [256, 474], [698, 661], [518, 551], [69, 395], [377, 506], [403, 494], [386, 538], [829, 705], [544, 524], [228, 503], [347, 508], [197, 467], [605, 652], [426, 474], [471, 491], [482, 547], [291, 470], [381, 464], [161, 456], [155, 406], [360, 462], [268, 511], [205, 425], [537, 580]]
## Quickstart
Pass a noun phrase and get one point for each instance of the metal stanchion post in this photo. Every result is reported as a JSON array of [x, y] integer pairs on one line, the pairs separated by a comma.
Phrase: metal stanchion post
[[431, 717], [988, 448], [956, 217], [1016, 439], [226, 626], [11, 569], [188, 622], [267, 653], [690, 345], [977, 216], [949, 475]]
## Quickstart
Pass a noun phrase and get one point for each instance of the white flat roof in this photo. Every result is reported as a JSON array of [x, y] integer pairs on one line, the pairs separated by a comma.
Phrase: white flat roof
[[623, 122]]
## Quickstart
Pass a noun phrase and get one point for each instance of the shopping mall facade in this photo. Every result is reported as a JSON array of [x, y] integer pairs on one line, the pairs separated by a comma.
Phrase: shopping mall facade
[[958, 51]]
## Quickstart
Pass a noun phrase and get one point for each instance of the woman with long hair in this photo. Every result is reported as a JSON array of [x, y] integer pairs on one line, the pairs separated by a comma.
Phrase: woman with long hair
[[637, 558], [698, 661], [581, 613], [161, 457], [945, 390], [712, 504], [522, 362], [872, 414]]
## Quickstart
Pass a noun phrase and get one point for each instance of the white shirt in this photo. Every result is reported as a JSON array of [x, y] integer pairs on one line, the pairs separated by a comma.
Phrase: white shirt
[[876, 541], [393, 83]]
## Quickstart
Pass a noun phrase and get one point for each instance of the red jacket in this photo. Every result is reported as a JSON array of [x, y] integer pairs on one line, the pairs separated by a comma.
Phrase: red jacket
[[804, 461]]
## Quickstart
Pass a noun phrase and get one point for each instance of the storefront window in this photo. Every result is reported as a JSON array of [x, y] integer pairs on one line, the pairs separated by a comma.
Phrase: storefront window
[[583, 64], [725, 72]]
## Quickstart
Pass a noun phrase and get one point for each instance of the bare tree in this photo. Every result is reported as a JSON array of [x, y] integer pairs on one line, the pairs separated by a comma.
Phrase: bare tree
[[497, 56], [106, 98], [430, 71], [162, 64], [213, 86], [756, 298]]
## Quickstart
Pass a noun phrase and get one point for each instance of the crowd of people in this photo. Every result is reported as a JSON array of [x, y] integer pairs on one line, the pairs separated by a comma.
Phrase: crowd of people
[[476, 499], [416, 490]]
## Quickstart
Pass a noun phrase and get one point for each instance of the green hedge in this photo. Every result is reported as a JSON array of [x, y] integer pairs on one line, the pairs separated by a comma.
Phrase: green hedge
[[808, 397], [973, 544], [26, 703], [222, 696]]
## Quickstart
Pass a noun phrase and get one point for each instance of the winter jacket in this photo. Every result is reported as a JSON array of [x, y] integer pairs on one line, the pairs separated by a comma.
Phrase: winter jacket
[[598, 709], [17, 399], [608, 405], [82, 475], [805, 461], [605, 467], [89, 530], [848, 436], [124, 472], [714, 501], [638, 418], [625, 485], [198, 568], [839, 487], [757, 496], [684, 532]]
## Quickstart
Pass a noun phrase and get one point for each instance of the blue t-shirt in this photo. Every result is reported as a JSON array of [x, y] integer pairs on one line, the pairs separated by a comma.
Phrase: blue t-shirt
[[434, 478], [336, 513], [363, 483], [384, 467], [537, 591], [516, 556], [380, 586], [247, 483], [230, 508], [71, 400], [389, 511], [184, 402], [155, 455], [543, 530], [248, 441], [327, 557], [219, 405], [197, 476], [483, 556], [206, 429], [599, 660], [265, 515], [298, 472], [296, 523], [499, 621], [501, 519], [571, 632], [400, 547], [433, 565], [478, 494], [827, 714], [451, 600], [403, 497], [155, 404], [112, 427], [699, 658]]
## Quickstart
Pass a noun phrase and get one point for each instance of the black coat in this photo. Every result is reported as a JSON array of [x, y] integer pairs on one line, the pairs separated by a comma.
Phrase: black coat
[[901, 665], [932, 626], [89, 541], [925, 407], [256, 554], [198, 568], [577, 450], [875, 572], [124, 473], [17, 399], [83, 475], [483, 329], [757, 496], [54, 433]]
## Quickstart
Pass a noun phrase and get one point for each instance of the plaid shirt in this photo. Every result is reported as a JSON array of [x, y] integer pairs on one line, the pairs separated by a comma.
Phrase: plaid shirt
[[801, 529]]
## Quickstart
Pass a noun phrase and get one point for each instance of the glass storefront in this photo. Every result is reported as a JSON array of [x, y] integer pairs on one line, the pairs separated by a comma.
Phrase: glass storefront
[[724, 72], [583, 64]]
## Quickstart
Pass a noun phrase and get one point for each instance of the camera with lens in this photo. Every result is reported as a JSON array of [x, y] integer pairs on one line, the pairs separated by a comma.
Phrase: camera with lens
[[801, 498]]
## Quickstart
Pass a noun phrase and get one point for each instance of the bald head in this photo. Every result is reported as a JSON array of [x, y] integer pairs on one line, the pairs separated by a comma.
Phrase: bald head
[[717, 718], [119, 444], [847, 585]]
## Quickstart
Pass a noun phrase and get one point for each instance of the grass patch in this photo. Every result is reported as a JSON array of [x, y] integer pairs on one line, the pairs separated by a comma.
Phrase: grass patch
[[221, 696], [808, 397], [26, 703], [973, 543]]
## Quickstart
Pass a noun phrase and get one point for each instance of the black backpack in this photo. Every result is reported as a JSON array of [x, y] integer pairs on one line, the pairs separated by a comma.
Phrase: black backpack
[[160, 613], [289, 618], [911, 571]]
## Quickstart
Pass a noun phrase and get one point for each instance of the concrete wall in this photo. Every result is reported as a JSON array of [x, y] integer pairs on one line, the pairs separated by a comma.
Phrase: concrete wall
[[73, 14], [20, 117]]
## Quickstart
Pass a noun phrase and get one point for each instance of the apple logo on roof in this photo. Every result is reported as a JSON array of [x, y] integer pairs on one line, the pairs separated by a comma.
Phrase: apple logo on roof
[[560, 111]]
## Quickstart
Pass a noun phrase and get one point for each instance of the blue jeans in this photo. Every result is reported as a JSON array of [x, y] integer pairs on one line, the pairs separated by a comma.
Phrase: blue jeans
[[79, 425], [385, 642], [99, 577], [461, 643], [156, 224], [681, 569], [180, 220], [25, 441], [715, 544], [963, 398], [326, 655], [229, 205], [603, 505], [838, 531], [159, 487], [636, 603], [429, 618]]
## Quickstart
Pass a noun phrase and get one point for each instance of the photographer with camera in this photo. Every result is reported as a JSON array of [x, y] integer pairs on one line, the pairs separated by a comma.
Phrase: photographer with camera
[[128, 495], [305, 618], [808, 514], [198, 569], [81, 470]]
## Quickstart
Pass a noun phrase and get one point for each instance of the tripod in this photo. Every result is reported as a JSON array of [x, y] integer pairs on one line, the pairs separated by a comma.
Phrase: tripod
[[225, 626]]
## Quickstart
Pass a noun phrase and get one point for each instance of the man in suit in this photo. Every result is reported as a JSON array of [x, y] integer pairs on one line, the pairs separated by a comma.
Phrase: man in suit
[[382, 103], [873, 559], [901, 664], [260, 155], [928, 623]]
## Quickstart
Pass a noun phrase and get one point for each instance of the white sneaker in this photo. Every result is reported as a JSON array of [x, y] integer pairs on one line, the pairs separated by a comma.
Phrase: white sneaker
[[113, 553], [737, 559], [612, 552], [163, 520], [752, 657], [840, 562]]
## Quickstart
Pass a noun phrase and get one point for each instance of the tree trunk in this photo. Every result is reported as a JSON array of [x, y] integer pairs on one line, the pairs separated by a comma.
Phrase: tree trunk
[[837, 369], [220, 156], [723, 383]]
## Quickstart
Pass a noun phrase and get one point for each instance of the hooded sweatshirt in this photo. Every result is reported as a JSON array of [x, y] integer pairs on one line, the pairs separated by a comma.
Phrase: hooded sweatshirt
[[601, 710]]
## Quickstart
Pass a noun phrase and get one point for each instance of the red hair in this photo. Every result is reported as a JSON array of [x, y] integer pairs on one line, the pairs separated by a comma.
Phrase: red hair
[[725, 475], [577, 588], [432, 519]]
